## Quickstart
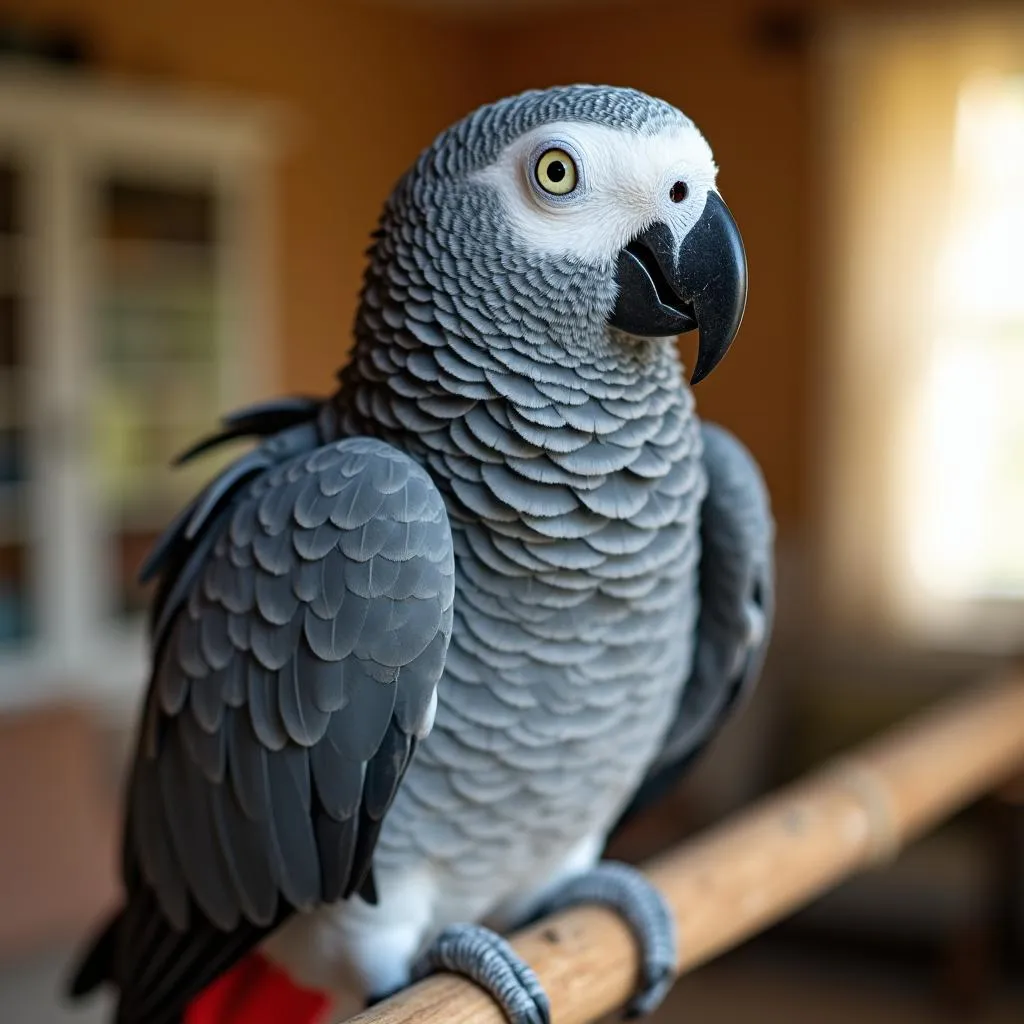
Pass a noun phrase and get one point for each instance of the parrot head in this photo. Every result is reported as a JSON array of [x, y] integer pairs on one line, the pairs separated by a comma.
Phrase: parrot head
[[574, 213]]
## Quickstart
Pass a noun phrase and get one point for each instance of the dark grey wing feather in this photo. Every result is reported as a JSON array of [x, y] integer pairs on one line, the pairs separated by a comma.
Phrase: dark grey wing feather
[[242, 840], [383, 775], [295, 669], [737, 607], [261, 420], [336, 840]]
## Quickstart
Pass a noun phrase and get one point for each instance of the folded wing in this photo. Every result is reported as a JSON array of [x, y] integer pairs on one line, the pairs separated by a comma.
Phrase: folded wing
[[292, 680]]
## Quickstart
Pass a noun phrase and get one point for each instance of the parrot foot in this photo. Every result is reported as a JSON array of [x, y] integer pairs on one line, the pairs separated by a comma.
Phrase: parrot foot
[[485, 957], [626, 890]]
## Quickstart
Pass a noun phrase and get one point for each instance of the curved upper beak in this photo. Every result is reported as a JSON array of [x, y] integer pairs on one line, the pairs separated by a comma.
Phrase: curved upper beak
[[667, 288]]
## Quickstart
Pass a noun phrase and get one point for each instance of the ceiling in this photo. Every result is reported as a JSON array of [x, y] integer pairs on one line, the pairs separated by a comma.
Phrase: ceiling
[[485, 8]]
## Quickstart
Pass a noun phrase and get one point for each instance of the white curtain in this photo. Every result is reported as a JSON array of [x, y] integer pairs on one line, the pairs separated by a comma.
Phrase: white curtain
[[894, 103]]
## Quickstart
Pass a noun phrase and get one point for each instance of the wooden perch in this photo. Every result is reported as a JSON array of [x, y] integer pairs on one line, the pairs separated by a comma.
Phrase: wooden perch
[[754, 869]]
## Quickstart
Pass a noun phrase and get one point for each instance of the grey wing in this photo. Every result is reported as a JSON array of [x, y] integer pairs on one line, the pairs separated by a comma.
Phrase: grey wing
[[287, 697], [737, 604]]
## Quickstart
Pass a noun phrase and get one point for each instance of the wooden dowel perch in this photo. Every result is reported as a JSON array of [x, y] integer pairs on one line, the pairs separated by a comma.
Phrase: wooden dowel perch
[[752, 870]]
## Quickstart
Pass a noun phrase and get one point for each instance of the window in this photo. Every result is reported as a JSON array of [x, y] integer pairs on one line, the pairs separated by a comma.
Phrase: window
[[965, 480], [925, 455]]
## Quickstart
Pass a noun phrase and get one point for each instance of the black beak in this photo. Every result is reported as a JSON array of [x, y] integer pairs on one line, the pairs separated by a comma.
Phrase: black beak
[[664, 291]]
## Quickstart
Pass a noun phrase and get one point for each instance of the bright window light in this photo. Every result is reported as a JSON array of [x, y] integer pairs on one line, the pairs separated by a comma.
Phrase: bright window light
[[962, 513]]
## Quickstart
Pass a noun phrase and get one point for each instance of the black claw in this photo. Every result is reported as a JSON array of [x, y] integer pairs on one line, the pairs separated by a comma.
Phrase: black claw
[[627, 891], [486, 958], [653, 990]]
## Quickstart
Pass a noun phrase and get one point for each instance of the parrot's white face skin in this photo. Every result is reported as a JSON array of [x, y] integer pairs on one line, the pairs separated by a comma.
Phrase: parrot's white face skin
[[623, 184]]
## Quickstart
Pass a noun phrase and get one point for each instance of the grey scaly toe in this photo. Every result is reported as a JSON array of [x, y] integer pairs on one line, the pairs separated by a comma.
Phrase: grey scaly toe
[[627, 891], [486, 958]]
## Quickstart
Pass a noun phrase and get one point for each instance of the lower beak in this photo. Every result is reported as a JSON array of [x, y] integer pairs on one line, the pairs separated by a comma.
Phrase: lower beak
[[665, 289]]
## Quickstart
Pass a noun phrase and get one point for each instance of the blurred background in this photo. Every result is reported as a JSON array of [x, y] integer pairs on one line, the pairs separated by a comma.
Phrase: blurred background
[[186, 190]]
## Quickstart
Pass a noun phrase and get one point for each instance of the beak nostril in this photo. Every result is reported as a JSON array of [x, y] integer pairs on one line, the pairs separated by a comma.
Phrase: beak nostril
[[678, 192]]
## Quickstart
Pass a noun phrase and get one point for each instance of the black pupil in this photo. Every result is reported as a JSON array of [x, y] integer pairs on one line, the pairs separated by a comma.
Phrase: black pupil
[[556, 170], [678, 192]]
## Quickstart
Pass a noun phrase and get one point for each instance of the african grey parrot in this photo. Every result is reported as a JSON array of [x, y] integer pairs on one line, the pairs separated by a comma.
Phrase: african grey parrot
[[416, 652]]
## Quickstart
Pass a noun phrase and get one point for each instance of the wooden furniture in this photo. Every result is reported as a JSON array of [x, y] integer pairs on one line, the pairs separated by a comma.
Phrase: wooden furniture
[[135, 308]]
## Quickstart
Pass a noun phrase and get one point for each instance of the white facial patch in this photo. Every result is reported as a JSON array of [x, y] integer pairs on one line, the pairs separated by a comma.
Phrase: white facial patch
[[624, 184]]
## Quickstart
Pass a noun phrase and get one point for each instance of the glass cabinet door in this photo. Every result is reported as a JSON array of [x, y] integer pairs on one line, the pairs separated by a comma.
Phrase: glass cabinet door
[[135, 310], [17, 618], [158, 361]]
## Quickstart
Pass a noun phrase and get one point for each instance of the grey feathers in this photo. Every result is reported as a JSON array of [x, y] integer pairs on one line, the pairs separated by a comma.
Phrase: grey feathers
[[570, 462], [737, 591], [292, 679], [295, 698]]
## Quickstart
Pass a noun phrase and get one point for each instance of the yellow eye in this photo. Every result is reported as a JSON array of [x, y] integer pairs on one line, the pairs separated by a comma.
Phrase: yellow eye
[[556, 172]]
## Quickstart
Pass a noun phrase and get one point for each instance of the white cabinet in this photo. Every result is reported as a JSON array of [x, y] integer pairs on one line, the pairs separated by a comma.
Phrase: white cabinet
[[135, 308]]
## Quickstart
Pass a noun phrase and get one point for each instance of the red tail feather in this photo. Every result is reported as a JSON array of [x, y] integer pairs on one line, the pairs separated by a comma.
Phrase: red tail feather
[[255, 991]]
